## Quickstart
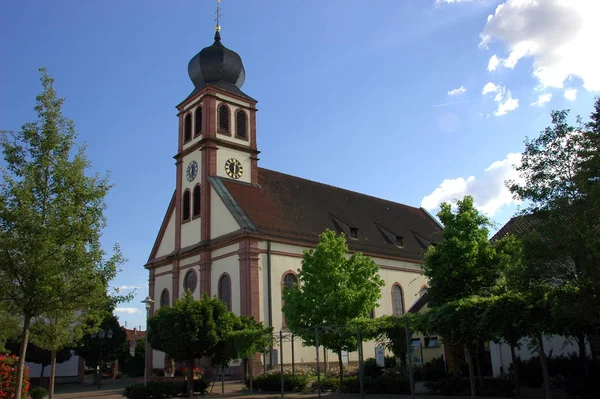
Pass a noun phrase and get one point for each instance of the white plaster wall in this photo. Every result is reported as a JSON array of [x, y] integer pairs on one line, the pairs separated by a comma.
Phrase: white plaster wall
[[163, 269], [70, 368], [556, 345], [167, 244], [222, 222], [232, 100], [225, 153], [225, 250], [189, 260], [190, 232], [158, 359], [231, 266]]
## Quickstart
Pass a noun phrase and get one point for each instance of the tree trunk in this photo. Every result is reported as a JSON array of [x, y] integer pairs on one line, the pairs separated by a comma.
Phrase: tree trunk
[[190, 377], [515, 362], [582, 354], [341, 368], [52, 374], [478, 364], [547, 392], [42, 375], [22, 353], [471, 373]]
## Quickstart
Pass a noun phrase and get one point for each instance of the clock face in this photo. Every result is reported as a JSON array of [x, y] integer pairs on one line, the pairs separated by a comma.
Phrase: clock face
[[234, 168], [192, 171]]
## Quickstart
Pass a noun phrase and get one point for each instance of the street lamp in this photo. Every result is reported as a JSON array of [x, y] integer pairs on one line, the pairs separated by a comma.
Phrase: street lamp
[[101, 335], [148, 302]]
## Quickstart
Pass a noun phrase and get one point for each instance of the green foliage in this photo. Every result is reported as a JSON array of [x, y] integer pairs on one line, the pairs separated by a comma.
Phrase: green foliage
[[133, 366], [190, 329], [89, 349], [272, 382], [333, 290], [163, 389], [38, 355], [433, 370], [246, 338], [10, 327], [38, 393], [465, 262], [51, 219]]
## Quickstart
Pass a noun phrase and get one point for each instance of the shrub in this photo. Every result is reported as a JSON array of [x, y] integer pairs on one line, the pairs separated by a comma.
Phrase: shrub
[[371, 369], [583, 387], [8, 377], [328, 384], [38, 393], [560, 369], [298, 370], [435, 369], [389, 362], [349, 371], [163, 389], [272, 382]]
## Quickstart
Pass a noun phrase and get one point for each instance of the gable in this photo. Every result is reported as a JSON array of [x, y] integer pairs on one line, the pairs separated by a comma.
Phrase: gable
[[165, 240], [221, 220]]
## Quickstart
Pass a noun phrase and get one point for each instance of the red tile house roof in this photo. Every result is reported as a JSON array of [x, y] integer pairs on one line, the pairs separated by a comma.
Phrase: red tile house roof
[[286, 206]]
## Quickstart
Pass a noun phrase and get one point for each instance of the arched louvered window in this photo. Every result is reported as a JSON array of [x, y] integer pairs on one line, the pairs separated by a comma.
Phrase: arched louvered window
[[224, 118], [197, 197], [241, 124], [186, 205], [225, 290], [187, 127], [397, 300], [198, 121], [164, 298], [190, 281]]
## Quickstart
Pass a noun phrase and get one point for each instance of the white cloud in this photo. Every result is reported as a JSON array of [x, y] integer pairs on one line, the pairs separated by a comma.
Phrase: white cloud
[[128, 287], [506, 103], [489, 88], [493, 63], [127, 310], [571, 94], [456, 92], [489, 192], [451, 1], [557, 34], [542, 99]]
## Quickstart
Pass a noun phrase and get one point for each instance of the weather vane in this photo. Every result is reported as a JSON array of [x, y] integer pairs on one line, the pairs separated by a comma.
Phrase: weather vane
[[218, 14]]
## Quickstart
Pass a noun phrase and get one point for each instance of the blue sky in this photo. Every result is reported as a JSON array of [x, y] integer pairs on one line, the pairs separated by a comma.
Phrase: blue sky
[[383, 97]]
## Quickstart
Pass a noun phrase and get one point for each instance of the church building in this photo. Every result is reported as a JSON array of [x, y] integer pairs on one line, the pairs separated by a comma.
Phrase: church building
[[237, 231]]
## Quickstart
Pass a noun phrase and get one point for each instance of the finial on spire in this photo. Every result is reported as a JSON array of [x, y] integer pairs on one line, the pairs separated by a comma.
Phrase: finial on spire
[[218, 14]]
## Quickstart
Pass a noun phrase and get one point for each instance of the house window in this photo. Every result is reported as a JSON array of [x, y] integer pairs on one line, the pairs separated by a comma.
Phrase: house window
[[289, 280], [164, 298], [241, 128], [190, 280], [186, 205], [198, 121], [187, 127], [224, 118], [197, 197], [353, 232], [431, 342], [397, 300], [225, 290]]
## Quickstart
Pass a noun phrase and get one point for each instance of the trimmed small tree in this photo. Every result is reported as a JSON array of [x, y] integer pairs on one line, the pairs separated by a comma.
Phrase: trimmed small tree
[[332, 291], [190, 329]]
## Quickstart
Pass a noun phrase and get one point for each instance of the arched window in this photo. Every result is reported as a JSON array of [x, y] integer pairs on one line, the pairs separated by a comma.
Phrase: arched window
[[187, 127], [198, 120], [186, 205], [397, 300], [241, 124], [190, 280], [224, 118], [289, 280], [225, 290], [164, 298], [196, 207]]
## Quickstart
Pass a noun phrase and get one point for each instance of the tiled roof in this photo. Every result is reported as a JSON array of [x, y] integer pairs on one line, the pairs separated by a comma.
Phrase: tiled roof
[[292, 207]]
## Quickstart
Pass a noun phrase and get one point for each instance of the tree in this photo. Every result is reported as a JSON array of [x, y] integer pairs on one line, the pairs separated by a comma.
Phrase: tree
[[51, 218], [35, 354], [333, 290], [190, 329], [559, 183], [10, 327]]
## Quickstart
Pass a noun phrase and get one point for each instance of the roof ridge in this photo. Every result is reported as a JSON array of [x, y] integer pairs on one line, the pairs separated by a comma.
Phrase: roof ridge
[[343, 189]]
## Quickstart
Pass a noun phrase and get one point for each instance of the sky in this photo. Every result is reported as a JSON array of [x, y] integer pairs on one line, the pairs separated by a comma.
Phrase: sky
[[415, 101]]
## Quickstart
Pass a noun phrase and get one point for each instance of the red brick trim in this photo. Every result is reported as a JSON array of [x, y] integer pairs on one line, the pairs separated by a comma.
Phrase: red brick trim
[[219, 295], [215, 142], [227, 255], [211, 91], [175, 281], [249, 278], [290, 271], [403, 296], [205, 273]]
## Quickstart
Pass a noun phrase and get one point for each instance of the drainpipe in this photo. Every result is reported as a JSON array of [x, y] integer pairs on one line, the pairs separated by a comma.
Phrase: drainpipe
[[269, 296]]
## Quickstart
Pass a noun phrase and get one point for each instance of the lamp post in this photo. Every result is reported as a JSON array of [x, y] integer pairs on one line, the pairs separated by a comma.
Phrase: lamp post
[[101, 338], [148, 302]]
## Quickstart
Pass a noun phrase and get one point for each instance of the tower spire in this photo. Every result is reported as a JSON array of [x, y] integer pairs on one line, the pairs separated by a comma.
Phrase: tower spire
[[218, 16]]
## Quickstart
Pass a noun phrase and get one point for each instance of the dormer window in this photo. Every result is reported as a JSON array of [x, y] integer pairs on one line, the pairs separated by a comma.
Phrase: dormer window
[[342, 226], [391, 238], [187, 128], [241, 124], [353, 232], [224, 118], [198, 121]]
